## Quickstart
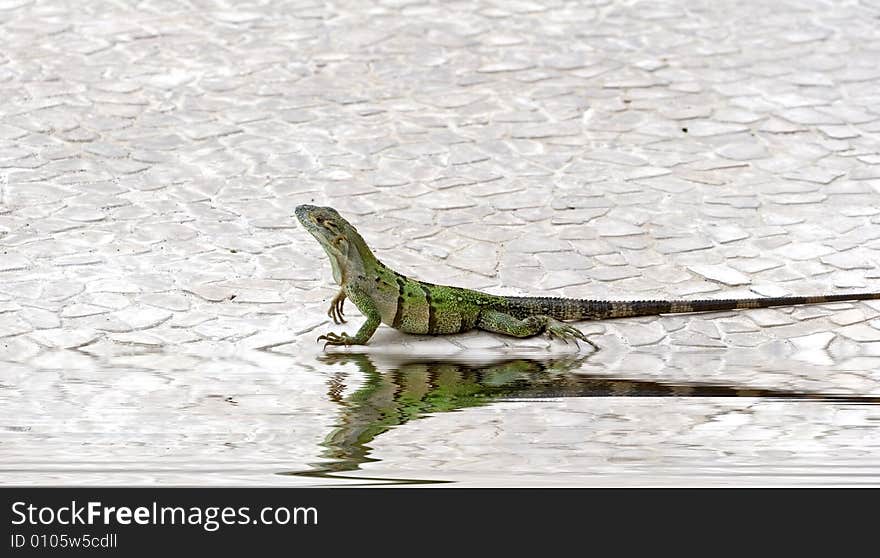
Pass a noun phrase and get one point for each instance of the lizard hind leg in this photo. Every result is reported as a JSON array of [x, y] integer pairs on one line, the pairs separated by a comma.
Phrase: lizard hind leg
[[336, 306], [501, 322]]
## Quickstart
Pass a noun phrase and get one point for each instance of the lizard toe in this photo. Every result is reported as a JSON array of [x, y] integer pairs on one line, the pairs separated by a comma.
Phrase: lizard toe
[[565, 332], [336, 339]]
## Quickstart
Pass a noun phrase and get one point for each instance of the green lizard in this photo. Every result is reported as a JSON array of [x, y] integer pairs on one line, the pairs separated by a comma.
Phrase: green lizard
[[385, 296]]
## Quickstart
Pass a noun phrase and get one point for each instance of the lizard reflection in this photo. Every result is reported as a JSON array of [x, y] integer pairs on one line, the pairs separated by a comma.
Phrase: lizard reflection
[[415, 388]]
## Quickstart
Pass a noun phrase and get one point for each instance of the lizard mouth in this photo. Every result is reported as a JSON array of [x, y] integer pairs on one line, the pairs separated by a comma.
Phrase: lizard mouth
[[312, 218], [303, 212], [306, 216]]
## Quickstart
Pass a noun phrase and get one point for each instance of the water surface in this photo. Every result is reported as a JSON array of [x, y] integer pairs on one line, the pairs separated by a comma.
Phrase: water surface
[[537, 420]]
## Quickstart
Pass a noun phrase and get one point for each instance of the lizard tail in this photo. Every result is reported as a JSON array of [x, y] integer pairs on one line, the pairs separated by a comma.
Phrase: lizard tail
[[581, 309]]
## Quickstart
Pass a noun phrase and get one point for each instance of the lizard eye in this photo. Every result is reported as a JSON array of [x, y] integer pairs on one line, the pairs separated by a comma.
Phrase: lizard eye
[[329, 224]]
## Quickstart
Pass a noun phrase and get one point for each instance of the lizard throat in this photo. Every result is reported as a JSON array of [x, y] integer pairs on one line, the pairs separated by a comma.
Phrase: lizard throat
[[339, 270]]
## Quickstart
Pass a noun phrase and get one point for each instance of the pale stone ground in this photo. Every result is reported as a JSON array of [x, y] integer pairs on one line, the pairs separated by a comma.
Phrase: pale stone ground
[[151, 158]]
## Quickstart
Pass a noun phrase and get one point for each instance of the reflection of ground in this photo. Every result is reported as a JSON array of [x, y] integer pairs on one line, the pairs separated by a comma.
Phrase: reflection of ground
[[416, 388], [148, 417]]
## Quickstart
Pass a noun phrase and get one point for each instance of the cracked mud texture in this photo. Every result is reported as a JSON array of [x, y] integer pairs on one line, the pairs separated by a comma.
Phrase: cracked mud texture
[[151, 158]]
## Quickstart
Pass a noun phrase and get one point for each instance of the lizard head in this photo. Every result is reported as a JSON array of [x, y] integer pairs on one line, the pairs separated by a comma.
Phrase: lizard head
[[340, 240]]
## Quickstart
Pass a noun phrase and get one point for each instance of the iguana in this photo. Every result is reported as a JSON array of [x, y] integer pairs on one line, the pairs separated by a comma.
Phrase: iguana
[[386, 296]]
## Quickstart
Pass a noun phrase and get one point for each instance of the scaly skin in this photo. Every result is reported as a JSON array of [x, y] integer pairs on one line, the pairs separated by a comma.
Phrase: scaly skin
[[385, 296]]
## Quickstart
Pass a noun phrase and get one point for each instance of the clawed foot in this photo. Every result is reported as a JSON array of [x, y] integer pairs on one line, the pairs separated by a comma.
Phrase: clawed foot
[[338, 339], [565, 332], [336, 306]]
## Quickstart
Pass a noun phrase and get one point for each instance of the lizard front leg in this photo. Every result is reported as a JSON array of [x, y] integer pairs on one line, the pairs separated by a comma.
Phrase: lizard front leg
[[501, 322], [368, 308], [336, 306]]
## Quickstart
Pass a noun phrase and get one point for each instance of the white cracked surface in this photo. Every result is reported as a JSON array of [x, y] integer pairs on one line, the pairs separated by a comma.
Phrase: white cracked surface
[[151, 158]]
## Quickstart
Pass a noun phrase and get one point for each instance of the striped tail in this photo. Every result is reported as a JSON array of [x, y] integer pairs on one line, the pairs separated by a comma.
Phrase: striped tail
[[581, 309]]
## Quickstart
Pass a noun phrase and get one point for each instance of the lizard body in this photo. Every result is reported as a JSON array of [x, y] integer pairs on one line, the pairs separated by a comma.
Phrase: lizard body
[[412, 306]]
